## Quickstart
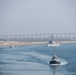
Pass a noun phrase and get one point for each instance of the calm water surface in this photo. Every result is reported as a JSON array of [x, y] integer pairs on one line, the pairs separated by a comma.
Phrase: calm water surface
[[34, 60]]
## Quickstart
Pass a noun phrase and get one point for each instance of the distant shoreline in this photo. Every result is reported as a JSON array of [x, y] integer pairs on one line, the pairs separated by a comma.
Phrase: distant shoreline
[[15, 43]]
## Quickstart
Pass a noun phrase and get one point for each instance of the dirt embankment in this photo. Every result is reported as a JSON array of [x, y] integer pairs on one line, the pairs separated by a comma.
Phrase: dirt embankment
[[8, 43]]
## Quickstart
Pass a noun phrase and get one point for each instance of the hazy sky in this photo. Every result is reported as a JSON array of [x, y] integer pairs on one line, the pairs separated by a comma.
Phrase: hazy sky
[[37, 16]]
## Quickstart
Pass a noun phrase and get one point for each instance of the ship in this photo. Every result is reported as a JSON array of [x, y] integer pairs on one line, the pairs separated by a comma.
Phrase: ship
[[54, 60], [11, 46], [53, 43]]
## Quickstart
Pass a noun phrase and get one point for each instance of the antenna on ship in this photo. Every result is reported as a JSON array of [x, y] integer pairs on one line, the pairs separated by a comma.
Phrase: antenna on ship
[[54, 60], [54, 51]]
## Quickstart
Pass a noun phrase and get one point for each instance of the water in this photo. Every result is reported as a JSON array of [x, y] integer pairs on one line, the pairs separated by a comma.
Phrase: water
[[34, 60]]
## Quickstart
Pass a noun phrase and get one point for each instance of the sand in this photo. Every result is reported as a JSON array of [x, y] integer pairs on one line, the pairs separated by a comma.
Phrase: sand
[[9, 43]]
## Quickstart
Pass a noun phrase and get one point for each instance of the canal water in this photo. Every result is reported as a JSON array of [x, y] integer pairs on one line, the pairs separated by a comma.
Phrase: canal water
[[34, 60]]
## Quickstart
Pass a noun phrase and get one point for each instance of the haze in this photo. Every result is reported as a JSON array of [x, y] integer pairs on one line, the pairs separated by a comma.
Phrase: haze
[[37, 16]]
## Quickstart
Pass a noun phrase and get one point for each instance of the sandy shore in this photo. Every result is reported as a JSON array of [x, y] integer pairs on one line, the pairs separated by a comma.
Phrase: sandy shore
[[8, 43]]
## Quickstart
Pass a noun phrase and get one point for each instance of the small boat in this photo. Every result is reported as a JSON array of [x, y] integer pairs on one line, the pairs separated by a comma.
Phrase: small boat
[[53, 43], [12, 46], [54, 60]]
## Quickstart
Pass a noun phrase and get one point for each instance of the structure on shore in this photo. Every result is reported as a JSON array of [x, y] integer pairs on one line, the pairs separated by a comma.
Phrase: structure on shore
[[39, 37]]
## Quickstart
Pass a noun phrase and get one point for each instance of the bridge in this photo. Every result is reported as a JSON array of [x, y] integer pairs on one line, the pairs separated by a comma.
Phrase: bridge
[[39, 37]]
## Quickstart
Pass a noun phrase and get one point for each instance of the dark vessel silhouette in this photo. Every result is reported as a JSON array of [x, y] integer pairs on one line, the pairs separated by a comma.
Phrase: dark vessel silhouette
[[55, 60], [11, 46], [53, 43]]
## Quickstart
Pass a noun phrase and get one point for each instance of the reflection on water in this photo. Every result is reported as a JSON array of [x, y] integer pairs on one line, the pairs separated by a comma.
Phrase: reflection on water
[[54, 69]]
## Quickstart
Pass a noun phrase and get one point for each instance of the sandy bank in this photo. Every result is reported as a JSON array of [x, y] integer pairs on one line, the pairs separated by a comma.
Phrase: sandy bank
[[4, 43], [8, 43]]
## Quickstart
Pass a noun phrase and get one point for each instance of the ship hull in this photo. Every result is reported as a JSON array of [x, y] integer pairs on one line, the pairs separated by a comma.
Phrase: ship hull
[[53, 45], [54, 62]]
